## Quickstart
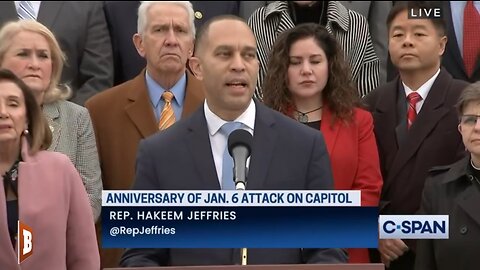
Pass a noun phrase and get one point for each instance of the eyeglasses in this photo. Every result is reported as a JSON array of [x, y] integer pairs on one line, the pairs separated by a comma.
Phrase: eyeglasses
[[469, 120]]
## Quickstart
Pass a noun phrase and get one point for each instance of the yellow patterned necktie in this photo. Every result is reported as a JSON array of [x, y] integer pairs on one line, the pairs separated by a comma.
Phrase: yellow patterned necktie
[[167, 118]]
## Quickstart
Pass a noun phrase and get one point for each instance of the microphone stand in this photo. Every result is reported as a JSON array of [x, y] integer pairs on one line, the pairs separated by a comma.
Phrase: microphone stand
[[243, 139], [240, 185], [243, 252]]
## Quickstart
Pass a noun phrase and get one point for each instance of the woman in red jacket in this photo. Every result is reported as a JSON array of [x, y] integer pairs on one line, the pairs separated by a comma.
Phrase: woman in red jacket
[[308, 80]]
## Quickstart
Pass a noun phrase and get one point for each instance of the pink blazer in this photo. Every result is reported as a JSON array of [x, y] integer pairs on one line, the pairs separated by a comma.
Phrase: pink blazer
[[53, 202]]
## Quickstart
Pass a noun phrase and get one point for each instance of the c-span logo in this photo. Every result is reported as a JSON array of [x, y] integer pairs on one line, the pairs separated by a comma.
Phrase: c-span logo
[[25, 242], [413, 226]]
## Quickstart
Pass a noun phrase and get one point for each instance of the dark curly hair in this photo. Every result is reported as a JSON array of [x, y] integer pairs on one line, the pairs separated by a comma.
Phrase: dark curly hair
[[339, 94]]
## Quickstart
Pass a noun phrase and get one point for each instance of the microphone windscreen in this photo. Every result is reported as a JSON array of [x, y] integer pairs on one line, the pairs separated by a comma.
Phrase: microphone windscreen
[[240, 137]]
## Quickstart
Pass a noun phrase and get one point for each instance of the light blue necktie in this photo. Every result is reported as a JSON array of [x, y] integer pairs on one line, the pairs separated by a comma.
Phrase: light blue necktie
[[227, 167], [25, 11]]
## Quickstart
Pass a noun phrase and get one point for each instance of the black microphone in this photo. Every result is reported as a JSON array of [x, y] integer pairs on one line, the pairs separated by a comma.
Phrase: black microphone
[[240, 148]]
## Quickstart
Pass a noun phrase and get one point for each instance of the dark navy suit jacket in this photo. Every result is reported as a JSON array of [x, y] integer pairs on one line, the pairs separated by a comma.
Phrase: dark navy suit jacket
[[452, 60], [286, 155]]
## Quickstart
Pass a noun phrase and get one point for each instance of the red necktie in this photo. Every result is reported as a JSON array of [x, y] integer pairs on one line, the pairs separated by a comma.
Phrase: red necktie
[[412, 98], [471, 37]]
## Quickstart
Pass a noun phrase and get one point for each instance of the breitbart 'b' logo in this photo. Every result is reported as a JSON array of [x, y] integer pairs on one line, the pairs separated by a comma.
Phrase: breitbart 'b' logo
[[25, 242]]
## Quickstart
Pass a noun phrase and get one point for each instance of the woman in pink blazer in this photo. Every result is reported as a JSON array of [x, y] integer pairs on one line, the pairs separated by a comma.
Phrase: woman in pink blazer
[[308, 80], [41, 189]]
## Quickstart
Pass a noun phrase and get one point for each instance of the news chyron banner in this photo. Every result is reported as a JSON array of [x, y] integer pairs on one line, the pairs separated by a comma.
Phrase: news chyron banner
[[237, 219]]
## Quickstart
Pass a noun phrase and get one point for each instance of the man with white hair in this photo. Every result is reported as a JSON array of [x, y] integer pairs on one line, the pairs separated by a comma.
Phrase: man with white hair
[[164, 92]]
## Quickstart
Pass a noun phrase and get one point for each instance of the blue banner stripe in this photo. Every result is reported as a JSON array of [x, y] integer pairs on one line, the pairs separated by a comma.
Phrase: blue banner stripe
[[236, 227]]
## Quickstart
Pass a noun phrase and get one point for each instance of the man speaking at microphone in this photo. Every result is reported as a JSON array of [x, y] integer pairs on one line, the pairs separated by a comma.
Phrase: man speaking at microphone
[[190, 155]]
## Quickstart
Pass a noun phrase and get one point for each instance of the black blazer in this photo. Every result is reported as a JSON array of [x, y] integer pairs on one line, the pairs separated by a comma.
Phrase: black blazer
[[449, 190], [82, 33], [407, 155], [285, 155]]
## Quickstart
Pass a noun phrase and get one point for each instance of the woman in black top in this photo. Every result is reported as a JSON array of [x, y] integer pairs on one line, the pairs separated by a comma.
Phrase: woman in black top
[[454, 190]]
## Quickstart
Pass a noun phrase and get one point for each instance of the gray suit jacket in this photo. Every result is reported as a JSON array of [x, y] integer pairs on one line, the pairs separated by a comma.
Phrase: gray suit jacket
[[73, 136], [82, 32], [376, 13], [285, 155]]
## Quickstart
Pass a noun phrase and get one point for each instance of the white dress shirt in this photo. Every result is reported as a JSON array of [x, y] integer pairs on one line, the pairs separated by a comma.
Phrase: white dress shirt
[[422, 90], [218, 140]]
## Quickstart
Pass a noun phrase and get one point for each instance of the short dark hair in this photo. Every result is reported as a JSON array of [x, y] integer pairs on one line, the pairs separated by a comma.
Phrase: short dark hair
[[39, 136], [470, 94], [400, 6], [203, 31]]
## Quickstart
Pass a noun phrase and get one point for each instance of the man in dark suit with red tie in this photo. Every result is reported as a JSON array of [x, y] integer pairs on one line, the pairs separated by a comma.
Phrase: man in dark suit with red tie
[[415, 121], [462, 54]]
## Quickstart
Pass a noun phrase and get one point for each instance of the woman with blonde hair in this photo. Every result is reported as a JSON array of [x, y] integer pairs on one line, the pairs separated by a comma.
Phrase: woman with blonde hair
[[30, 50]]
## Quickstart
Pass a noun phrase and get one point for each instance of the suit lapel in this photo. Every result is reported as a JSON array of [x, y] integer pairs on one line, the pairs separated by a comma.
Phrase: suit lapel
[[401, 115], [453, 48], [48, 12], [452, 40], [52, 112], [469, 201], [198, 143], [466, 193], [385, 116], [476, 70], [264, 141], [194, 95], [139, 110], [5, 243], [430, 114], [330, 132]]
